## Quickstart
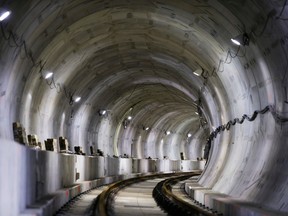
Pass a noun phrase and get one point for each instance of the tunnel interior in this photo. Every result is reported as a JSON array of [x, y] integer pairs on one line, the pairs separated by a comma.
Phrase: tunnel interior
[[167, 76]]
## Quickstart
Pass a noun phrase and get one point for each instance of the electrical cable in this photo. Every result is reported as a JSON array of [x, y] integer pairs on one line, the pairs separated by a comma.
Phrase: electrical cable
[[282, 10], [286, 56], [15, 42], [244, 53], [270, 15], [228, 60], [221, 128], [235, 55], [221, 62]]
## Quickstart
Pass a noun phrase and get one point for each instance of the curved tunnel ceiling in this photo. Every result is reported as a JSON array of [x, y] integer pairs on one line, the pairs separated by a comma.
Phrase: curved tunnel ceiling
[[128, 55], [137, 58]]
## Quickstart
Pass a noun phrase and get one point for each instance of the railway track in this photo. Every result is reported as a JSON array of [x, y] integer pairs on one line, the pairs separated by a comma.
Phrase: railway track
[[134, 196], [178, 202]]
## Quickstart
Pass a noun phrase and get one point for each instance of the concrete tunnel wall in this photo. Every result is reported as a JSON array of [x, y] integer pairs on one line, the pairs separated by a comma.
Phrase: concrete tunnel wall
[[29, 175], [117, 55]]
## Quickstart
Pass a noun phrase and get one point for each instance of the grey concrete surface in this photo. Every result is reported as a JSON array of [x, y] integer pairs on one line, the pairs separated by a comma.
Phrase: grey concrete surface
[[138, 58], [137, 199]]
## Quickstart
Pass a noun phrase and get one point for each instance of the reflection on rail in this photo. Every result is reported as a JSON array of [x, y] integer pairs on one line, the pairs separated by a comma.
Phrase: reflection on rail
[[174, 204], [105, 199], [162, 193], [133, 196]]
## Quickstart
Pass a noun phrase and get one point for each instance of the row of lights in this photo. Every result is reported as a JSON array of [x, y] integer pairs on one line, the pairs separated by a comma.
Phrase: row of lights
[[168, 133], [129, 118], [103, 112], [4, 14], [242, 39]]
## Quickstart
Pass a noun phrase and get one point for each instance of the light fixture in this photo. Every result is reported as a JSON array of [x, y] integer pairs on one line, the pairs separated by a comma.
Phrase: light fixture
[[48, 75], [129, 117], [4, 14], [77, 99], [196, 113], [189, 135], [242, 39], [167, 132], [102, 112], [198, 72], [146, 128], [125, 123]]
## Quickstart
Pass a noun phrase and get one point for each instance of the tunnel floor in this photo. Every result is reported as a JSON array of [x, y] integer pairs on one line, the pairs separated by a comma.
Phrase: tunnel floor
[[137, 200]]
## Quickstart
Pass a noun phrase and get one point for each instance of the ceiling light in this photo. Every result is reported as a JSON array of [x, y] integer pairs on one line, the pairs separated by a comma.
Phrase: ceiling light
[[77, 99], [129, 117], [242, 39], [196, 113], [102, 112], [197, 72], [235, 42], [147, 128], [189, 135], [4, 15], [48, 75], [167, 132]]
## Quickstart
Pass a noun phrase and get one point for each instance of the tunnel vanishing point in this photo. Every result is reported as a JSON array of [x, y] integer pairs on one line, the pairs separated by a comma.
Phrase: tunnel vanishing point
[[145, 86]]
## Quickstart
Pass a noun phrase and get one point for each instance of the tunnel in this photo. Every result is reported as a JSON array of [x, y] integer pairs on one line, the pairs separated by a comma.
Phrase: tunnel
[[145, 81]]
